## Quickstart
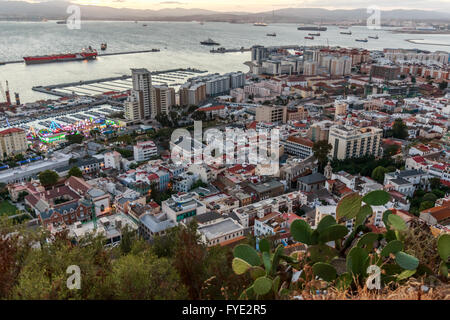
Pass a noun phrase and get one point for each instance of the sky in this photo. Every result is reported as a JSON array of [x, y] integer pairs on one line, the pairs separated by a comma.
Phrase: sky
[[267, 5]]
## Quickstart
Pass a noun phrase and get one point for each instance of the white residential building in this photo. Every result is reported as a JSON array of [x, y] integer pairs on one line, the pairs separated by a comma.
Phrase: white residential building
[[144, 151]]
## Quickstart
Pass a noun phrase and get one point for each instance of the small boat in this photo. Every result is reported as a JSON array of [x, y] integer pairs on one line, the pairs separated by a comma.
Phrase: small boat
[[61, 22], [343, 27], [361, 40], [103, 46], [144, 25], [310, 38], [260, 24], [349, 32], [372, 37], [271, 34], [314, 34], [209, 42]]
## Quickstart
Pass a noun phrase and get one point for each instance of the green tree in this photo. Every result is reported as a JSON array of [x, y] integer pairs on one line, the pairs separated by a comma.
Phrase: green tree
[[189, 258], [435, 183], [378, 174], [426, 205], [399, 129], [431, 197], [146, 277], [391, 150], [75, 172], [321, 150], [48, 178]]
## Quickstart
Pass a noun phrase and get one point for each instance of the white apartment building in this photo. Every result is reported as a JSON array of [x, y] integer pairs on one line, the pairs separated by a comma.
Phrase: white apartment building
[[113, 160], [133, 110], [144, 150], [183, 207], [142, 83], [298, 147]]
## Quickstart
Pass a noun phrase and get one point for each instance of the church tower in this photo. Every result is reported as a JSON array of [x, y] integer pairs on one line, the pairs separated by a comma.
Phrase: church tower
[[328, 171]]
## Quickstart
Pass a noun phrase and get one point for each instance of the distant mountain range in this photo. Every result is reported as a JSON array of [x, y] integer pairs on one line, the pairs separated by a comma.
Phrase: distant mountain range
[[57, 10]]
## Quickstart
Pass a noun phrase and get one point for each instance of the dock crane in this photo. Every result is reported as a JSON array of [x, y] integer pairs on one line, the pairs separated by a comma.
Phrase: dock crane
[[2, 91], [8, 96]]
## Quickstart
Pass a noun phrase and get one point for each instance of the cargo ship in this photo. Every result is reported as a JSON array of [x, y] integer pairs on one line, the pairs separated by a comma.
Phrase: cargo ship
[[312, 28], [85, 54]]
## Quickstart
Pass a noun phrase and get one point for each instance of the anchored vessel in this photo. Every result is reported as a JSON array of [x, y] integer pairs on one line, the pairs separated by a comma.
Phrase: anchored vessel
[[314, 34], [361, 40], [260, 24], [310, 38], [85, 54], [271, 34], [372, 37], [349, 32], [312, 28], [209, 42]]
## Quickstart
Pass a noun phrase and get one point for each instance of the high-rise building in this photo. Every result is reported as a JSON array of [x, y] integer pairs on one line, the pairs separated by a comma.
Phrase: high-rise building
[[384, 72], [271, 114], [192, 93], [340, 66], [259, 53], [353, 142], [142, 83], [12, 141], [134, 111], [310, 68], [163, 99]]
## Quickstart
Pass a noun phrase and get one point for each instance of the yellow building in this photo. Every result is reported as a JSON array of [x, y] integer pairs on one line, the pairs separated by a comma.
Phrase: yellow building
[[12, 141]]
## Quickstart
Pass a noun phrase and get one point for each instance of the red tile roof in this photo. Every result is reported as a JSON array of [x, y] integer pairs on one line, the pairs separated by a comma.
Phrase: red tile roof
[[302, 141], [11, 130], [213, 108]]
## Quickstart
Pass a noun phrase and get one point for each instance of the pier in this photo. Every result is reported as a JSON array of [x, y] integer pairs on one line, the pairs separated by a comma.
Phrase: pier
[[99, 55], [242, 49]]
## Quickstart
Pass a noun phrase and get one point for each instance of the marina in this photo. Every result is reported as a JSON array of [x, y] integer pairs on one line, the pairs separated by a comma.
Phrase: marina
[[120, 84]]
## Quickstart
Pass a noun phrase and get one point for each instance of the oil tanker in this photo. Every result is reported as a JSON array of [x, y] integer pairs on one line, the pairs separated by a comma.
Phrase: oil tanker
[[85, 54]]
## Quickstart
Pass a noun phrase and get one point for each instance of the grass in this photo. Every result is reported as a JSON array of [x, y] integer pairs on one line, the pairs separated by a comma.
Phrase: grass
[[7, 208]]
